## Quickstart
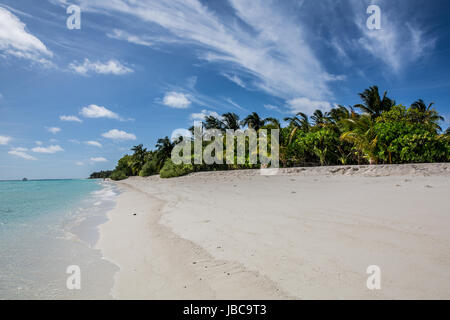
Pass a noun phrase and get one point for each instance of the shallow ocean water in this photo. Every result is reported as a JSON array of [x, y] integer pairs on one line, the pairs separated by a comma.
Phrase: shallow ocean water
[[47, 226]]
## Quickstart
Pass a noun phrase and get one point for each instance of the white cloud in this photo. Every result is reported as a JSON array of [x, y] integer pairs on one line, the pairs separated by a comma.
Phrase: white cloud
[[202, 115], [79, 163], [307, 106], [51, 149], [21, 153], [70, 118], [4, 140], [16, 41], [118, 135], [99, 159], [54, 130], [94, 143], [94, 111], [176, 100], [110, 67], [39, 143], [268, 44]]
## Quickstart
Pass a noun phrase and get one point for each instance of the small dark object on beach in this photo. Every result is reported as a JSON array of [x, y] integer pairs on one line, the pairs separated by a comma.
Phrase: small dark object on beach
[[134, 214]]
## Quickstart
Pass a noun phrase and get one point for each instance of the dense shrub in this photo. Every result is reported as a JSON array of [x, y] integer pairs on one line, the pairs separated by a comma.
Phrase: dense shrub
[[150, 168], [118, 175], [171, 170]]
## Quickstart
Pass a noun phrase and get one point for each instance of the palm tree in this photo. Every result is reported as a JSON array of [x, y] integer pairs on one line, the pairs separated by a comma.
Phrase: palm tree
[[272, 123], [230, 121], [299, 121], [426, 114], [340, 113], [373, 104], [447, 132], [139, 157], [320, 119], [363, 136], [212, 122], [164, 149], [254, 121]]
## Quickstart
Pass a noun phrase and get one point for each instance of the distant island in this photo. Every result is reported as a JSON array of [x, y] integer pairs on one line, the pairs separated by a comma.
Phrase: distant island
[[24, 179]]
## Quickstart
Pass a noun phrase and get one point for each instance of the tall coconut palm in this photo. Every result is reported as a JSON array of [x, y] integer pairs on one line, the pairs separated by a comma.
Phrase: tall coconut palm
[[373, 104], [363, 136], [254, 121]]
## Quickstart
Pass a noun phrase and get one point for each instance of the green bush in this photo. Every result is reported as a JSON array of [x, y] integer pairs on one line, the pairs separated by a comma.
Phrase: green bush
[[171, 170], [150, 168], [118, 175]]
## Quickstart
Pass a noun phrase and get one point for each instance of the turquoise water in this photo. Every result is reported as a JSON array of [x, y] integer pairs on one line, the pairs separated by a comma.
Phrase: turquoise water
[[46, 226]]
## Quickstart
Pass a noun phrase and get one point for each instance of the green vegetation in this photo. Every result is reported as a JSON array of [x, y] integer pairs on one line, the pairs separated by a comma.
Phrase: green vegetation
[[100, 175], [382, 132]]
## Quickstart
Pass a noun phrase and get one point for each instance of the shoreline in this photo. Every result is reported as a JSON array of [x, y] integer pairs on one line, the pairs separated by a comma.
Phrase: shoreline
[[309, 233]]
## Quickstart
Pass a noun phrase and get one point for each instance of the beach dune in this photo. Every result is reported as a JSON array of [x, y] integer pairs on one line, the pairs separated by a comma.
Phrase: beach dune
[[306, 233]]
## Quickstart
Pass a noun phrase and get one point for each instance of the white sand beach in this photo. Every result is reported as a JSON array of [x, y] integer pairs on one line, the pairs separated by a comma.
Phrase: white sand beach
[[306, 233]]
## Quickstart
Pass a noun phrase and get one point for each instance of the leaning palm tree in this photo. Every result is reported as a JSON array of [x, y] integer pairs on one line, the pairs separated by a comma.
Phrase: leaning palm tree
[[426, 114], [373, 104], [363, 136], [319, 118], [298, 122], [254, 121]]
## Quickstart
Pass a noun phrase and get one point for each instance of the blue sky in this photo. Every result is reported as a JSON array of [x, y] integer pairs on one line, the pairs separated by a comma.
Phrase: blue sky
[[75, 101]]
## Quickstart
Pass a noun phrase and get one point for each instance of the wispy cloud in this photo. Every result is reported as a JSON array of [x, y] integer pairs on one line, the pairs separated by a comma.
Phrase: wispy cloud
[[50, 149], [110, 67], [118, 135], [123, 35], [21, 153], [235, 79], [99, 159], [272, 108], [70, 118], [16, 41], [262, 40], [398, 42]]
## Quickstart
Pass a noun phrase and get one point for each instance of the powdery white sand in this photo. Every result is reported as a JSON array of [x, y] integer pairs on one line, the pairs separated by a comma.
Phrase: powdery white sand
[[303, 234]]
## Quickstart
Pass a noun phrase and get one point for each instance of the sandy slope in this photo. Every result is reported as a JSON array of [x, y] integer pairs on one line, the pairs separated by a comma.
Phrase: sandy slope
[[305, 233]]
